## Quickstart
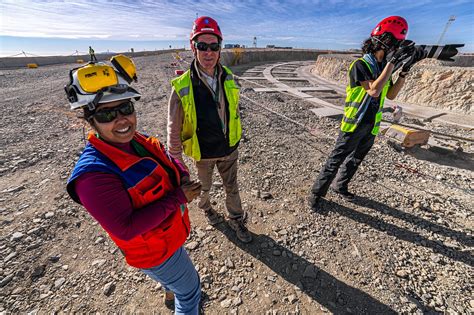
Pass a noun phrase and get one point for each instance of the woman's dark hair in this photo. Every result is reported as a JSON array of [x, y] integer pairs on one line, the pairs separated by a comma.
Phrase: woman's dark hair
[[368, 46]]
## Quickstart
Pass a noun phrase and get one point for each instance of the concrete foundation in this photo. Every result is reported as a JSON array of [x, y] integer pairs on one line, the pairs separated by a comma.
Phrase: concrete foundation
[[301, 89]]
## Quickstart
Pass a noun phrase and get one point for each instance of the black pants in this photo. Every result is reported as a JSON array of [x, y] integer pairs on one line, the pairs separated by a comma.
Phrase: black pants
[[351, 148]]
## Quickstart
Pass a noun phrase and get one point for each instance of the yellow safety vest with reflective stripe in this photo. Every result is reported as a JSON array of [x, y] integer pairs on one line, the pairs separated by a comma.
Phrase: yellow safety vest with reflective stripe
[[184, 89], [358, 100]]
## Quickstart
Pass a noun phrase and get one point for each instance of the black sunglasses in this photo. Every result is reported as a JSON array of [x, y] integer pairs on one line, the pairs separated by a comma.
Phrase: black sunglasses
[[109, 114], [204, 46]]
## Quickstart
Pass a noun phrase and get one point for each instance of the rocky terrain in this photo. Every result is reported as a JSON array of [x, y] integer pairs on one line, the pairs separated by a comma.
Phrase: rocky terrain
[[429, 82], [405, 245]]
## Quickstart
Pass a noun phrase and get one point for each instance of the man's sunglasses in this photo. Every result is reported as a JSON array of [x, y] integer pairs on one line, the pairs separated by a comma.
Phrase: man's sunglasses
[[109, 114], [204, 46]]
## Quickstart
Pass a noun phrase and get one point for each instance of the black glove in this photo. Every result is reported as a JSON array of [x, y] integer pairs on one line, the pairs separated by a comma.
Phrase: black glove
[[402, 53], [418, 54]]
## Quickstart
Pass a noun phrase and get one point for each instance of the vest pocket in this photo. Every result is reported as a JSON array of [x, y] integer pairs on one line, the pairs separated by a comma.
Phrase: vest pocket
[[188, 147], [187, 130], [134, 250], [156, 242]]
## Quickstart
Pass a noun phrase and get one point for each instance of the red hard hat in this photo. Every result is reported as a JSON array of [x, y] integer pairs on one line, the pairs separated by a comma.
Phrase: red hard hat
[[205, 25], [396, 25]]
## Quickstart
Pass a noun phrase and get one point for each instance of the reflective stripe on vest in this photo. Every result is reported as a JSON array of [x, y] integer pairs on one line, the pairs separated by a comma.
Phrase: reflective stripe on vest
[[146, 181], [184, 89], [357, 101]]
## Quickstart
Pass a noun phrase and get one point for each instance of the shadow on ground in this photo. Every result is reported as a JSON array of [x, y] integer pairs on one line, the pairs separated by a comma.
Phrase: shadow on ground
[[427, 225], [443, 156], [403, 233], [337, 296]]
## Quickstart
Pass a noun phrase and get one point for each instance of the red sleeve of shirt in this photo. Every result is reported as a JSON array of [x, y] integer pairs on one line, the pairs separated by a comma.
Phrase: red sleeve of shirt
[[106, 199]]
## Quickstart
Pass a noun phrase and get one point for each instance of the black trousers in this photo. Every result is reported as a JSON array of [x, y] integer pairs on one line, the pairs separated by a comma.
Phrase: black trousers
[[351, 148]]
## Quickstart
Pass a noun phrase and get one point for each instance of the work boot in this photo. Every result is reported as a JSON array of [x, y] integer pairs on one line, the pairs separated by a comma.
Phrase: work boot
[[314, 202], [344, 193], [169, 300], [241, 231], [213, 217]]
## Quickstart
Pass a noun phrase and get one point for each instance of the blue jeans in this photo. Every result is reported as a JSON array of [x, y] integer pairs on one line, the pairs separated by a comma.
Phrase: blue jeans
[[178, 274]]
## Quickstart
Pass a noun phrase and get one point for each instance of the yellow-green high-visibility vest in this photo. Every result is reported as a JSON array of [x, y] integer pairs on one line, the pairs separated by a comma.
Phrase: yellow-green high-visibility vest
[[358, 100], [184, 88]]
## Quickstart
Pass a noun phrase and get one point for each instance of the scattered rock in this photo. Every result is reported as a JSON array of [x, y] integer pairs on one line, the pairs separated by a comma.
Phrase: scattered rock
[[6, 280], [402, 274], [291, 298], [59, 282], [16, 236], [13, 189], [229, 264], [99, 262], [48, 215], [192, 245], [10, 256], [309, 272], [223, 270], [226, 303], [38, 272], [236, 301], [217, 184], [265, 195], [109, 288]]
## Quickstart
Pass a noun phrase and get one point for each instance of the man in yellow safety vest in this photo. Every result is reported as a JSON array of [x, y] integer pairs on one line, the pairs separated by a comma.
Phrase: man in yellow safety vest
[[92, 54], [204, 123]]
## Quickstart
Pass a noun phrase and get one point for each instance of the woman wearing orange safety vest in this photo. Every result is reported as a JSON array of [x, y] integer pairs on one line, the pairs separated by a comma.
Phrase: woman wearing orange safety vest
[[129, 183]]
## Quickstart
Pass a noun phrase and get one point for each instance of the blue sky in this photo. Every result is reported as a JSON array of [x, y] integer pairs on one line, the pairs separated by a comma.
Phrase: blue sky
[[62, 27]]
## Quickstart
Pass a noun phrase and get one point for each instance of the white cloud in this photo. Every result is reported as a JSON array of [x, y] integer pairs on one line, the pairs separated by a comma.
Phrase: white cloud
[[317, 21]]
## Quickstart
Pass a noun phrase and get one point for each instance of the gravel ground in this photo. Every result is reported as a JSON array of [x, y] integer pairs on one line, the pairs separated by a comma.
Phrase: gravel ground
[[403, 246]]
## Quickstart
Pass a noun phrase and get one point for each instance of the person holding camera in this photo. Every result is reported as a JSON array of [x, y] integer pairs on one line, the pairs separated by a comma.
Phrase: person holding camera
[[204, 122], [128, 182], [369, 84]]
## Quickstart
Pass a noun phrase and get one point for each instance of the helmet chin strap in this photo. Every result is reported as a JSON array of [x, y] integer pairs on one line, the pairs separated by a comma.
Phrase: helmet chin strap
[[388, 51]]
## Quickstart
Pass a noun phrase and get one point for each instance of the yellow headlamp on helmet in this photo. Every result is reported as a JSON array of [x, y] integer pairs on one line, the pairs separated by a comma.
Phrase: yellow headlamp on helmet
[[125, 67]]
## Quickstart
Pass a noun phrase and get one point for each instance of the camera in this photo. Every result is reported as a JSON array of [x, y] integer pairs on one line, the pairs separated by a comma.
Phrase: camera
[[445, 52], [439, 52]]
